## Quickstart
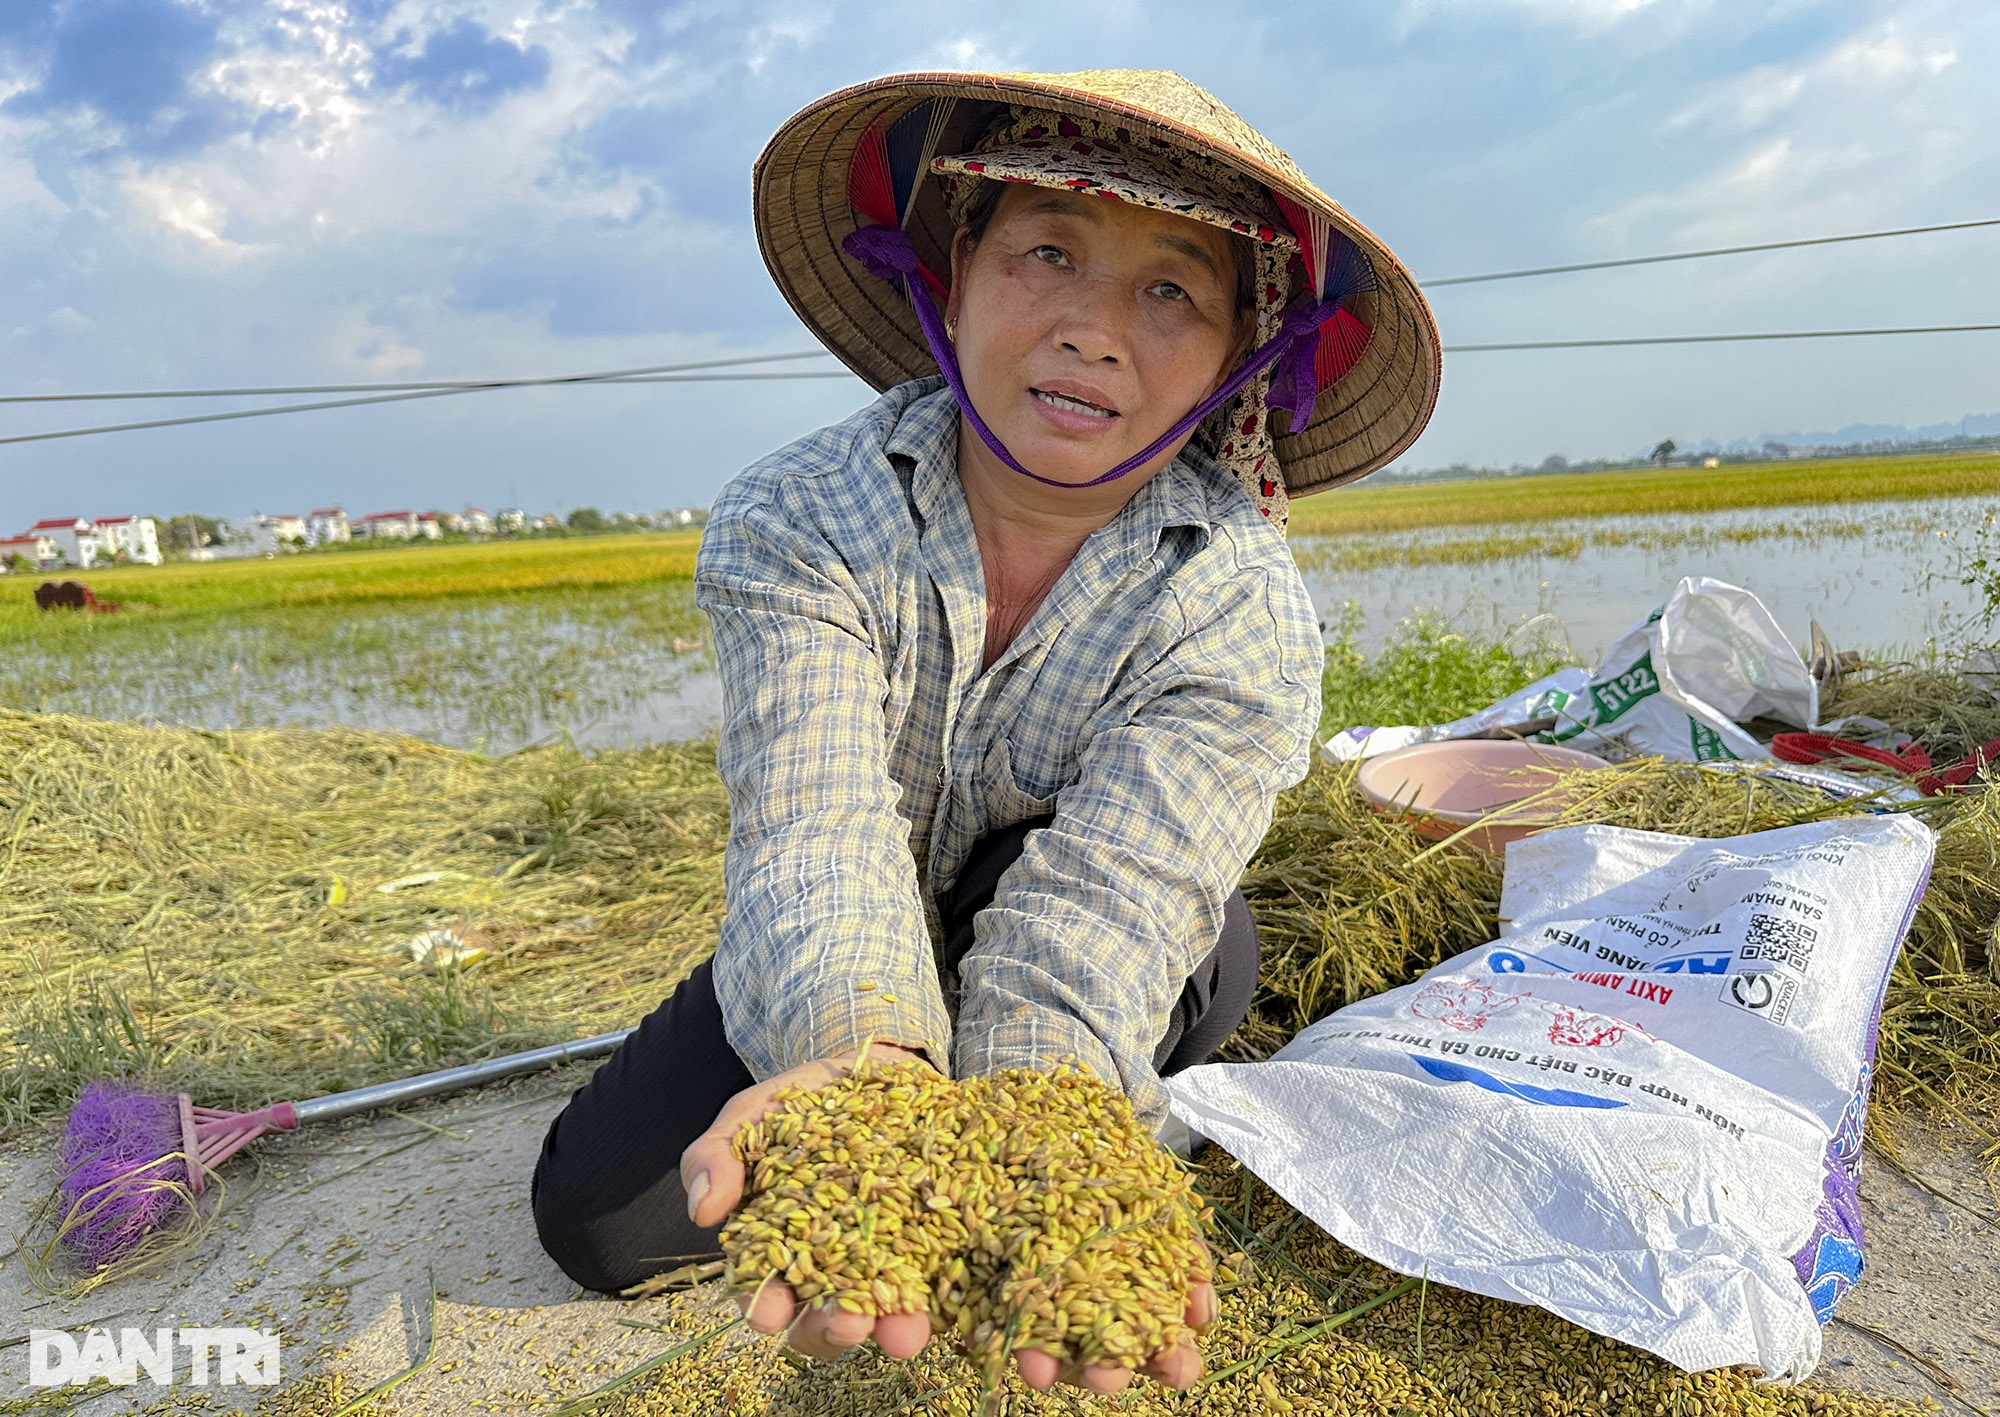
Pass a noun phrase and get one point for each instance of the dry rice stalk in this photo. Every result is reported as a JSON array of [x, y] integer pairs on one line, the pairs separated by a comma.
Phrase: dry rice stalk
[[229, 911]]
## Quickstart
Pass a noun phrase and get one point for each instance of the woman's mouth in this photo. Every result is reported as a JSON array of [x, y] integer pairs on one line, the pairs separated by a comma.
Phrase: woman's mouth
[[1069, 403]]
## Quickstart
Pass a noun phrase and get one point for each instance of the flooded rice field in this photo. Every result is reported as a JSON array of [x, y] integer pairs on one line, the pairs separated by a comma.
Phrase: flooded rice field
[[1874, 575], [618, 666]]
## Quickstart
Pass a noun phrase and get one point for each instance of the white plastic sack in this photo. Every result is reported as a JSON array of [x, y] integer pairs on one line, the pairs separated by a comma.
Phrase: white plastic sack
[[1640, 1108], [1678, 683]]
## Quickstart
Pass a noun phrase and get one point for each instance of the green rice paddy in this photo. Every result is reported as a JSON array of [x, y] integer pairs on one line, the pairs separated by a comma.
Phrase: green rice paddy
[[1379, 507]]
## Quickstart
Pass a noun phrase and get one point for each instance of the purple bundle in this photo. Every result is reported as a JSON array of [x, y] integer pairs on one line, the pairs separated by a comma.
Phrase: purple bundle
[[125, 1169]]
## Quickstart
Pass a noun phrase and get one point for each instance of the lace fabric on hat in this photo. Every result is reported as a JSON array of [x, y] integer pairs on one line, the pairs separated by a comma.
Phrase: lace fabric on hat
[[1083, 154]]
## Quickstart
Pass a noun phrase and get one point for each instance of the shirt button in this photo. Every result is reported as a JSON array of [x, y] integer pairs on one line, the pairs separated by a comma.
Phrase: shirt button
[[942, 774]]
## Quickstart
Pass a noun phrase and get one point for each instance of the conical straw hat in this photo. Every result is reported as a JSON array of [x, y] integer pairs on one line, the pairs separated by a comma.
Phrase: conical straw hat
[[1363, 421]]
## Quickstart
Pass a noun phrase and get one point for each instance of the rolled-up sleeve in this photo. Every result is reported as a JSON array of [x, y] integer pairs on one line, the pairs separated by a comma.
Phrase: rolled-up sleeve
[[1095, 929], [824, 943]]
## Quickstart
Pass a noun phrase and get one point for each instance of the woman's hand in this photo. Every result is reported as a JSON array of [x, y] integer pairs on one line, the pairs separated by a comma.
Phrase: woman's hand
[[1178, 1367], [714, 1179]]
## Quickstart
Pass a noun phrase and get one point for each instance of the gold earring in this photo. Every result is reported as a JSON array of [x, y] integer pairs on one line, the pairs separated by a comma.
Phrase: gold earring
[[951, 329]]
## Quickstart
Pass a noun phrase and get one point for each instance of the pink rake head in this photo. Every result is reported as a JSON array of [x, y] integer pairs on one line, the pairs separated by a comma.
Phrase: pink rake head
[[132, 1159]]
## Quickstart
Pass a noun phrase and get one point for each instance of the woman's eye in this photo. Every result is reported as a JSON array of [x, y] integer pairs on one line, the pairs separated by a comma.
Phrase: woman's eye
[[1166, 289], [1051, 255]]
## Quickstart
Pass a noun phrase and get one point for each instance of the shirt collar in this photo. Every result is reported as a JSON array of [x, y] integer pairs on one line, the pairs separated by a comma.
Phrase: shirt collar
[[926, 434]]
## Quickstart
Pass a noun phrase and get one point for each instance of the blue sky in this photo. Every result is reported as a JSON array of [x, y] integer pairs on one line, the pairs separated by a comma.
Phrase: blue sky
[[207, 192]]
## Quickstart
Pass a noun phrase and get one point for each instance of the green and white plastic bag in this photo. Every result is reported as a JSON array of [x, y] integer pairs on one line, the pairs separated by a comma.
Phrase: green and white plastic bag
[[1679, 683]]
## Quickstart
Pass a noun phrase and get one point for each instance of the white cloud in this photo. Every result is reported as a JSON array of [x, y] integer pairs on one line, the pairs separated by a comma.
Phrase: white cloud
[[185, 209], [799, 31], [1859, 70], [355, 342]]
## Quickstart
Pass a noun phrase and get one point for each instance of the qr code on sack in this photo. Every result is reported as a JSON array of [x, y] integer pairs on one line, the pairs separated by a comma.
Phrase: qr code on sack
[[1781, 940]]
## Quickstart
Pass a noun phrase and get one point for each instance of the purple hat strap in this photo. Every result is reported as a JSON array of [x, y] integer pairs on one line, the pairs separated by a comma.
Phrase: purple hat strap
[[889, 255]]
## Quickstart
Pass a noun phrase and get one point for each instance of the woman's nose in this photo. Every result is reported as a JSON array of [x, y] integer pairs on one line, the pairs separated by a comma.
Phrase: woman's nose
[[1092, 323]]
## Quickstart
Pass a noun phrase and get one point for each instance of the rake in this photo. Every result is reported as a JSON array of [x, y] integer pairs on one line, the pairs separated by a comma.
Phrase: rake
[[133, 1159]]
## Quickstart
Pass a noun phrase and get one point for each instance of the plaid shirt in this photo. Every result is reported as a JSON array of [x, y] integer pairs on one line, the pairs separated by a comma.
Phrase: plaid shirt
[[1157, 702]]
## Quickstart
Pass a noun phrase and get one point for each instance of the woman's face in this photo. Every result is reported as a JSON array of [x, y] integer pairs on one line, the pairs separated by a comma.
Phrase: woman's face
[[1088, 327]]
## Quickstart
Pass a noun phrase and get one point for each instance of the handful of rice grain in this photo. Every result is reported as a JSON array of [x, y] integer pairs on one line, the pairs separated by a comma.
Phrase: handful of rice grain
[[1023, 1210]]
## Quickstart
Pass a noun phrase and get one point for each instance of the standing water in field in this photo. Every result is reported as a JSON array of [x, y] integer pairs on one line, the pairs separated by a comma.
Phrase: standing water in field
[[616, 665], [1874, 574], [606, 667]]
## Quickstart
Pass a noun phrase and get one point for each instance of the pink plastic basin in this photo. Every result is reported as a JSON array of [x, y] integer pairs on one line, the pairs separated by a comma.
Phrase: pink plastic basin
[[1498, 787]]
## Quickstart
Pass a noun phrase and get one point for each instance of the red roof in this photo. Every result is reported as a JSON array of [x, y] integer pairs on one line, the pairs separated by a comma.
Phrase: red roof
[[329, 511], [19, 540], [66, 523], [386, 516], [114, 521]]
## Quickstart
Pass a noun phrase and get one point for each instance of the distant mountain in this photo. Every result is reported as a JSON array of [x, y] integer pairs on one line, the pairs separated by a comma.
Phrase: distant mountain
[[1973, 425]]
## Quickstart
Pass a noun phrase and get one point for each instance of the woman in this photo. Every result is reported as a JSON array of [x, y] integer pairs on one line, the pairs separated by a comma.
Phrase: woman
[[1015, 660]]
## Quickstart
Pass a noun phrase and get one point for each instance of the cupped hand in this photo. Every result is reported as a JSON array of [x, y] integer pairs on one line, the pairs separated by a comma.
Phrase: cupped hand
[[713, 1178], [1177, 1367]]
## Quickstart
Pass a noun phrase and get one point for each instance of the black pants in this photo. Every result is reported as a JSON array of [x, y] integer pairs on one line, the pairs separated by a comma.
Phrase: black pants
[[607, 1194]]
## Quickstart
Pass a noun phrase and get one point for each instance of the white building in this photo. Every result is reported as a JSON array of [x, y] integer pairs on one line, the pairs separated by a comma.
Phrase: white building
[[396, 526], [427, 526], [327, 526], [134, 538], [476, 521], [511, 519], [74, 539], [262, 535], [37, 549]]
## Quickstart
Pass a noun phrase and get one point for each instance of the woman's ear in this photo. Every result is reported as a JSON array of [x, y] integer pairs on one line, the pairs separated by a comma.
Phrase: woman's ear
[[961, 257]]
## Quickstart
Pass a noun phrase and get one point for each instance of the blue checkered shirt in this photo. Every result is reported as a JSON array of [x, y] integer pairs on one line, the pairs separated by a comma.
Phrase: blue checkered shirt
[[1156, 702]]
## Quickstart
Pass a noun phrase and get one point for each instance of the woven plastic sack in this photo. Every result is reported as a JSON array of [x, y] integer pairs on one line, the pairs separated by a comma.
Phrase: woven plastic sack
[[1640, 1107], [1680, 682]]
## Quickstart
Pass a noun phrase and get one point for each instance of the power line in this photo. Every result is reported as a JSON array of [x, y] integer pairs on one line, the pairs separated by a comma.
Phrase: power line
[[639, 375], [636, 377], [419, 394], [1711, 339], [1713, 251]]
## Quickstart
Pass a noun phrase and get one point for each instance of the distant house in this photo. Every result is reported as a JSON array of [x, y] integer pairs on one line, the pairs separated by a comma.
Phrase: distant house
[[476, 521], [74, 538], [36, 549], [547, 522], [511, 519], [428, 527], [265, 534], [395, 526], [134, 538], [327, 526]]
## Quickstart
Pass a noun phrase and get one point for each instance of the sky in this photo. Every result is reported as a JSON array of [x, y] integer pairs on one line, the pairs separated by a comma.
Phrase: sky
[[202, 193]]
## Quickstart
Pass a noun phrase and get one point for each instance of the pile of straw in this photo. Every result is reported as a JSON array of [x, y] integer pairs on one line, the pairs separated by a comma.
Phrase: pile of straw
[[240, 914]]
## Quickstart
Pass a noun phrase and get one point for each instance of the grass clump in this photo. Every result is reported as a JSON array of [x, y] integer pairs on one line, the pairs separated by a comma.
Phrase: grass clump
[[1430, 672]]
